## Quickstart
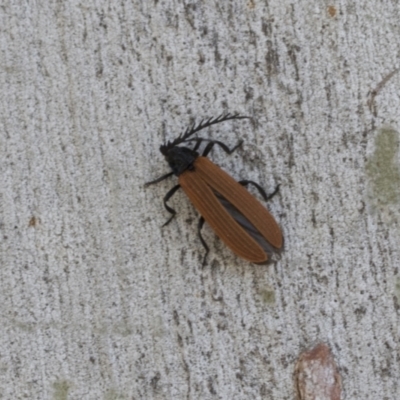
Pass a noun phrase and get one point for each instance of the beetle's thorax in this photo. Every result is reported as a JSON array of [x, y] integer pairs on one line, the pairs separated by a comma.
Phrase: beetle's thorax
[[180, 159]]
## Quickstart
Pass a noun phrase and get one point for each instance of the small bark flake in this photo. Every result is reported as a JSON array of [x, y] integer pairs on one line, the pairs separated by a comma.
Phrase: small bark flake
[[317, 376]]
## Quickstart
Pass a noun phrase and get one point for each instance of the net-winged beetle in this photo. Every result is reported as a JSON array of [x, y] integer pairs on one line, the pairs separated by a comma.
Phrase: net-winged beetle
[[235, 215]]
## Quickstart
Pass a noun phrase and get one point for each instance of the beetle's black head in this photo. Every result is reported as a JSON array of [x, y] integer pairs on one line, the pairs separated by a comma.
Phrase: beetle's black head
[[179, 158], [182, 158]]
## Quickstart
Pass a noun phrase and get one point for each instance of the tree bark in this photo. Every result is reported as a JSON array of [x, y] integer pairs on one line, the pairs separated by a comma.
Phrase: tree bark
[[98, 300]]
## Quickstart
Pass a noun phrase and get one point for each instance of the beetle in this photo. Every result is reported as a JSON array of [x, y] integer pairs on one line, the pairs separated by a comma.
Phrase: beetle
[[235, 215]]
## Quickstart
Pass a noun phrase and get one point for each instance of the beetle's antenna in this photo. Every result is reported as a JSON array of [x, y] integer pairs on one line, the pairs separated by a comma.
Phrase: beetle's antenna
[[205, 124], [194, 129]]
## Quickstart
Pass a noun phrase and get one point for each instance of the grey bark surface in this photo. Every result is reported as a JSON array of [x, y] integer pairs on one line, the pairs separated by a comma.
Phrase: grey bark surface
[[97, 300]]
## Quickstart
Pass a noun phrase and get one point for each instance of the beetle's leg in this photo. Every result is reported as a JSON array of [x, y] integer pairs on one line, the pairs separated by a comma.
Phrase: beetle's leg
[[222, 145], [167, 207], [265, 196], [198, 142], [161, 178], [199, 226], [211, 145]]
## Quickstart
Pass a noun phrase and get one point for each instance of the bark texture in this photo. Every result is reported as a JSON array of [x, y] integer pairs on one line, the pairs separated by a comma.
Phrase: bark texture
[[97, 300]]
